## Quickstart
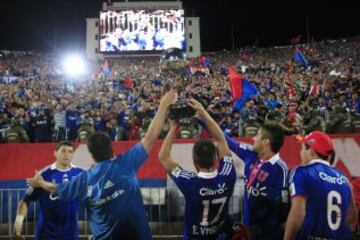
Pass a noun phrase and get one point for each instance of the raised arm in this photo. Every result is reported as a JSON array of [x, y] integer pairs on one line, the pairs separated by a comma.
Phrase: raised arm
[[156, 124], [213, 127], [164, 155]]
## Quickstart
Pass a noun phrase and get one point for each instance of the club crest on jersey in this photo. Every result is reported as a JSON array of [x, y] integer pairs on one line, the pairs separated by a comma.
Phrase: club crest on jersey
[[65, 178], [262, 176]]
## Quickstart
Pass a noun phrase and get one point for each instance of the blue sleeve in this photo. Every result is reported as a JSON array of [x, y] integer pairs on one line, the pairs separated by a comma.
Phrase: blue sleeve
[[226, 166], [31, 194], [297, 183], [232, 144], [134, 157], [74, 189], [244, 151], [182, 179]]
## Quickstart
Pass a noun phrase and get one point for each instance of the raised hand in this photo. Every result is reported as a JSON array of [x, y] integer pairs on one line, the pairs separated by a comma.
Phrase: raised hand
[[197, 106], [36, 181], [169, 98]]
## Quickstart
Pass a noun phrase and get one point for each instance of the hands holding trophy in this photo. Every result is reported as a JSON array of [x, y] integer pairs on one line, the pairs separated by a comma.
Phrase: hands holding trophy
[[173, 72]]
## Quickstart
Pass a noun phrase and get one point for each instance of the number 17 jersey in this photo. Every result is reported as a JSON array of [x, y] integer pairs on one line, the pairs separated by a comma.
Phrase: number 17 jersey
[[207, 197]]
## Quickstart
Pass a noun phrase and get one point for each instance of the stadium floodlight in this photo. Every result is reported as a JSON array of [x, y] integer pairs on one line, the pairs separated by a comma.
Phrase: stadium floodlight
[[74, 65]]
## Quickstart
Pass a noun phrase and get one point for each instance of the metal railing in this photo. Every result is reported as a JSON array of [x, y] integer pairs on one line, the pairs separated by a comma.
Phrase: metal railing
[[164, 206]]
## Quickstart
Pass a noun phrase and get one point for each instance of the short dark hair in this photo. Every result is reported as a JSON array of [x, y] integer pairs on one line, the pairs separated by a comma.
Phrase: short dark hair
[[99, 145], [275, 133], [330, 158], [204, 153], [64, 143]]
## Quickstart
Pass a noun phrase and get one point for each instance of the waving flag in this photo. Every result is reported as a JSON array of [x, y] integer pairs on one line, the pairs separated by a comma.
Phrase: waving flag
[[299, 57], [241, 89], [235, 80]]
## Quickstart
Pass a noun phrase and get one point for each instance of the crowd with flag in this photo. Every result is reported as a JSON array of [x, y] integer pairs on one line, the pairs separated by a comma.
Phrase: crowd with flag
[[302, 86]]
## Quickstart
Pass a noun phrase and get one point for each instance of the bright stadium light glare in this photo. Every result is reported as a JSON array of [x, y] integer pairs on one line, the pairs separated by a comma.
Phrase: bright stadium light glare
[[74, 65]]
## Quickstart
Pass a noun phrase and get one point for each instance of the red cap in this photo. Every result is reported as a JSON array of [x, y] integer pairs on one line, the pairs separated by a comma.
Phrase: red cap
[[320, 142]]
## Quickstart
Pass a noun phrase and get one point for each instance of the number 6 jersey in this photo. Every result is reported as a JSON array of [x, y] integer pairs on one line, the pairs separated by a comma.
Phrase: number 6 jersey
[[207, 198], [328, 196]]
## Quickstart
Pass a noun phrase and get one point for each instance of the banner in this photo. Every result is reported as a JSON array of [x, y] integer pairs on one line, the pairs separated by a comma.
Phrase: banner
[[19, 161]]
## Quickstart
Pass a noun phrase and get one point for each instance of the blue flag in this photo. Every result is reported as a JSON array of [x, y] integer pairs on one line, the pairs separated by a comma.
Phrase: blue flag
[[248, 91], [299, 57]]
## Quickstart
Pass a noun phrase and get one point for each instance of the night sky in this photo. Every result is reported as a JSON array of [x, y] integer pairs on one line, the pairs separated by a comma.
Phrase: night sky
[[47, 25]]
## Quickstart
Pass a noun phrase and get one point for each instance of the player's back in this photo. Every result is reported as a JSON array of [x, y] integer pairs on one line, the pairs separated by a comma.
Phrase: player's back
[[207, 198], [113, 194], [328, 197]]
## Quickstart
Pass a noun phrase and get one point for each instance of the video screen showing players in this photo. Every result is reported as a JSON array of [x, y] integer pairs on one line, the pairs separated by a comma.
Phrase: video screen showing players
[[141, 30]]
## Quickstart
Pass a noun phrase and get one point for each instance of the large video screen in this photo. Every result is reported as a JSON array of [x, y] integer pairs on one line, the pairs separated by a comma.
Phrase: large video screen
[[141, 30]]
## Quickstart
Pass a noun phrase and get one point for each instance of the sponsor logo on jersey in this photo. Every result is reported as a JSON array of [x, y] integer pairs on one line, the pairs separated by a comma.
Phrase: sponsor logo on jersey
[[257, 191], [110, 197], [210, 192], [53, 197], [108, 184], [334, 180]]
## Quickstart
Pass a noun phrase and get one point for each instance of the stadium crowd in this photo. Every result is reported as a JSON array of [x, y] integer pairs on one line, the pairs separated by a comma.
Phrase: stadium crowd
[[40, 104]]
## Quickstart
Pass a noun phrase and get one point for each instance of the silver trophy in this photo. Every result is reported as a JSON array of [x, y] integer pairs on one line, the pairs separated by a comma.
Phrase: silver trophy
[[173, 74]]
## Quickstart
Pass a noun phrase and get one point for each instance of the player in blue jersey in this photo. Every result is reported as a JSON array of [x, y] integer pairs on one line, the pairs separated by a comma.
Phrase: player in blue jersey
[[57, 219], [322, 204], [110, 189], [207, 193], [265, 201]]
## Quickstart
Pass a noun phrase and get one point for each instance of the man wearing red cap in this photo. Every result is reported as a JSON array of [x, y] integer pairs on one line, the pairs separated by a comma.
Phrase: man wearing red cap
[[322, 204]]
